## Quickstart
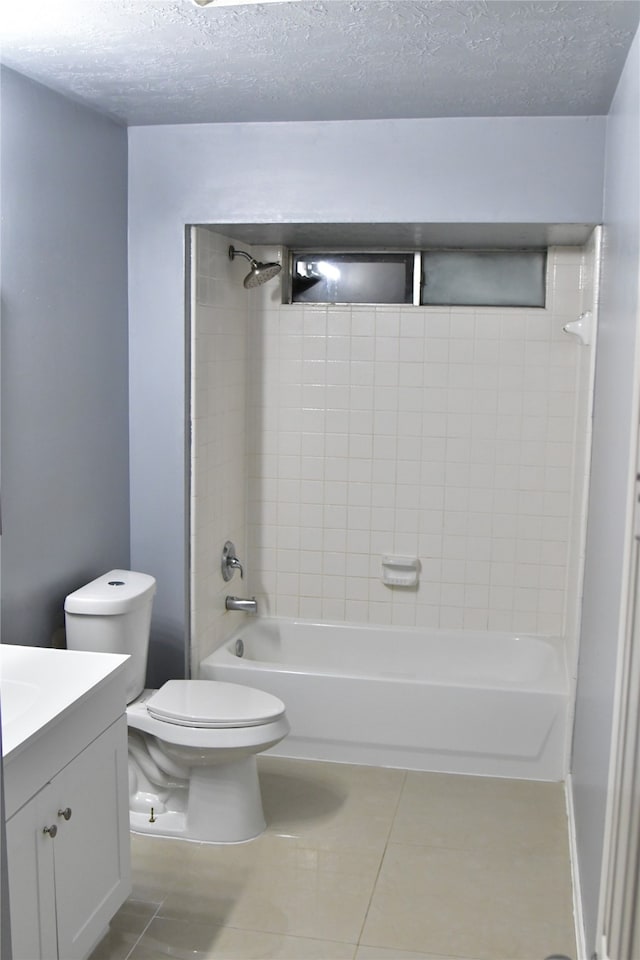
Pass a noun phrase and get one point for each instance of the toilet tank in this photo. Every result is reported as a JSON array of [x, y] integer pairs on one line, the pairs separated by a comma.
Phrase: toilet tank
[[112, 614]]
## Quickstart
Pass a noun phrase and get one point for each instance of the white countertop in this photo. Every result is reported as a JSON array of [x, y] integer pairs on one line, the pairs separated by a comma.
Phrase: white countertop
[[38, 685]]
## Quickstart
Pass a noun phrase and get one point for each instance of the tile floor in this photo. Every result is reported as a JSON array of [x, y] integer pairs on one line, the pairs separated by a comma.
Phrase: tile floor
[[362, 863]]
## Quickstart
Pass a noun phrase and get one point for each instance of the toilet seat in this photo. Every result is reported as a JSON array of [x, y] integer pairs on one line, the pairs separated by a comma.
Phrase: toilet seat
[[213, 704], [227, 740]]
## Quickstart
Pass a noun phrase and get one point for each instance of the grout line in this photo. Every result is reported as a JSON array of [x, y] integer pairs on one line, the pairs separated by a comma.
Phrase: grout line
[[148, 924], [384, 852]]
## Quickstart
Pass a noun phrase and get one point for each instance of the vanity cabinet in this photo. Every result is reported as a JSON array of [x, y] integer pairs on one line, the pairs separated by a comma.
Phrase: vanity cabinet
[[66, 798], [68, 854]]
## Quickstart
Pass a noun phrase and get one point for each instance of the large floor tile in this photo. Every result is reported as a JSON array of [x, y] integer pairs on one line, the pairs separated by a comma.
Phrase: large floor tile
[[182, 940], [474, 813], [385, 953], [155, 865], [490, 904], [278, 885], [125, 930], [474, 869], [330, 804]]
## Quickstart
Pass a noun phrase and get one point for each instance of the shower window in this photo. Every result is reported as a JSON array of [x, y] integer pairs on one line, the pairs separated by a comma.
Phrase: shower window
[[495, 278], [352, 278], [483, 278]]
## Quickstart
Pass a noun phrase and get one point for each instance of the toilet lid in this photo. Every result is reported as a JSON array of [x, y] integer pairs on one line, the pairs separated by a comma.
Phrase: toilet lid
[[212, 703]]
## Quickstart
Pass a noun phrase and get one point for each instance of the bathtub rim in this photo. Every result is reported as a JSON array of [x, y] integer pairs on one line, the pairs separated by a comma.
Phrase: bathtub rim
[[556, 683]]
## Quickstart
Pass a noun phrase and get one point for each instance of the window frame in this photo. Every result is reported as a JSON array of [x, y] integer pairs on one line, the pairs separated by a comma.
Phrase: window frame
[[416, 281]]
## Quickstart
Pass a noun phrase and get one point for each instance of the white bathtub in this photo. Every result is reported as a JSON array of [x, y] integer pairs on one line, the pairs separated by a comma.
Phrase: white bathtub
[[456, 702]]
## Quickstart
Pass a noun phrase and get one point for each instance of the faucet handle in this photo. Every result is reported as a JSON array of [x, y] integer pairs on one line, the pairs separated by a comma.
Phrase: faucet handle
[[229, 562]]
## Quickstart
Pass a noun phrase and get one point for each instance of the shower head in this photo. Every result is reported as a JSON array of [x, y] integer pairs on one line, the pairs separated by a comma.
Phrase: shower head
[[259, 273]]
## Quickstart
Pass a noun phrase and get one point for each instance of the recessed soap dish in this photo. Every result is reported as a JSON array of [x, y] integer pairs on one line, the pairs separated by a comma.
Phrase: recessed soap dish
[[400, 571]]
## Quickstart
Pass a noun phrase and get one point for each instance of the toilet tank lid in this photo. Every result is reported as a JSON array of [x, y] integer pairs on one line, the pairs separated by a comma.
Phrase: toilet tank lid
[[115, 592]]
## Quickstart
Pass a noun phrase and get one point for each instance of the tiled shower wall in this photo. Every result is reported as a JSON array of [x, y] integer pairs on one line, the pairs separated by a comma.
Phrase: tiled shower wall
[[590, 287], [450, 435], [219, 305], [325, 437]]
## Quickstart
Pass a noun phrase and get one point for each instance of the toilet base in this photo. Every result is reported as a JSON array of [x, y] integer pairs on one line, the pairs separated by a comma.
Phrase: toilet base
[[217, 804]]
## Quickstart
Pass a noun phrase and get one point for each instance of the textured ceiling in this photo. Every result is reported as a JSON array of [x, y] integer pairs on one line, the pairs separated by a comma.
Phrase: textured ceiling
[[171, 61]]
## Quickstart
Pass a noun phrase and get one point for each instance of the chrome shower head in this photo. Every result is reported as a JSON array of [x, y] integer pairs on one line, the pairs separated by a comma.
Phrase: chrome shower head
[[259, 273]]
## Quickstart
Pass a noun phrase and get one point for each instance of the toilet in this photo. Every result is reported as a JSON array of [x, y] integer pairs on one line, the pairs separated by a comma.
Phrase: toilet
[[192, 743]]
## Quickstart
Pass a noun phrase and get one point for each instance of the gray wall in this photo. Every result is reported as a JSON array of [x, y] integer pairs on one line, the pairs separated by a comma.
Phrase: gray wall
[[64, 374], [612, 471], [506, 170]]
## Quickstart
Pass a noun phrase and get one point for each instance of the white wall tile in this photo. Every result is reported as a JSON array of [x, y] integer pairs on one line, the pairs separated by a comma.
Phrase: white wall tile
[[454, 435], [219, 415]]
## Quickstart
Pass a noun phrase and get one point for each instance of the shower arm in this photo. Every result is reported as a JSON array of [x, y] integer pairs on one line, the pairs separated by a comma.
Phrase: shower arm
[[233, 253]]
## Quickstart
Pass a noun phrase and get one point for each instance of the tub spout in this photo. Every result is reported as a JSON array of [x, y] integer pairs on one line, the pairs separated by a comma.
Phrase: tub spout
[[245, 606]]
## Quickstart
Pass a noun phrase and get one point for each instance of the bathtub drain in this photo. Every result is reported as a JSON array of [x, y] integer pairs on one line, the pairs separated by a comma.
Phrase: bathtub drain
[[239, 647]]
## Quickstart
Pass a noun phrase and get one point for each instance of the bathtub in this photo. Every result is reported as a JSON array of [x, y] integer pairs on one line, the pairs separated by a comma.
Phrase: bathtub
[[491, 704]]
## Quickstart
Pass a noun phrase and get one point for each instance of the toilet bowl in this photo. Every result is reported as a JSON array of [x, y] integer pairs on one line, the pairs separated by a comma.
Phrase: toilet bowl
[[192, 743], [192, 759]]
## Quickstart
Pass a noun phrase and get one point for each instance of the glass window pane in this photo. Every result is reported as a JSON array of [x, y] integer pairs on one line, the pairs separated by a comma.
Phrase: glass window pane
[[505, 278], [352, 278]]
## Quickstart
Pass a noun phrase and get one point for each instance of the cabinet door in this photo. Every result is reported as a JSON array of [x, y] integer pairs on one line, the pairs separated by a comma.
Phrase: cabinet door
[[32, 904], [92, 860]]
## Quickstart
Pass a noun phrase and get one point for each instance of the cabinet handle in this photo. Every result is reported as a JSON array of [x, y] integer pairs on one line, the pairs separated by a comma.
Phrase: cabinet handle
[[52, 830], [66, 813]]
